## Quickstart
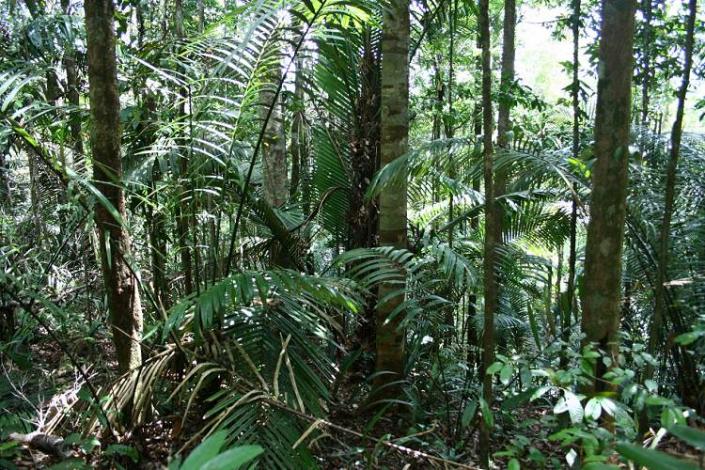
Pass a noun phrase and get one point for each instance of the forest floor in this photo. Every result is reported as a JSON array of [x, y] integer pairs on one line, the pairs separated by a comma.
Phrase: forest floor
[[345, 439]]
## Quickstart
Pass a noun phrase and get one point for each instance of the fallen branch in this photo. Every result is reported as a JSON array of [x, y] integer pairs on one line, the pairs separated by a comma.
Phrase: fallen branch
[[51, 445]]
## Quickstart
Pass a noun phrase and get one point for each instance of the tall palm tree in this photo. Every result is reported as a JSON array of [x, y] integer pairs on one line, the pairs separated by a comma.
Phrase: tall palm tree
[[394, 132]]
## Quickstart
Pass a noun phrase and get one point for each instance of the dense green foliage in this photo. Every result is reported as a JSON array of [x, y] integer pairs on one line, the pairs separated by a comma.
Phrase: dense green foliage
[[258, 338]]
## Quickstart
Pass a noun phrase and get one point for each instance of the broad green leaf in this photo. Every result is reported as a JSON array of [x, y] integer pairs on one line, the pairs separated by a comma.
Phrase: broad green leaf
[[205, 451], [486, 413], [653, 459], [571, 403], [689, 338], [233, 458], [541, 391], [494, 368], [593, 409], [71, 464], [505, 375], [468, 414], [122, 449], [575, 409], [692, 436], [513, 465]]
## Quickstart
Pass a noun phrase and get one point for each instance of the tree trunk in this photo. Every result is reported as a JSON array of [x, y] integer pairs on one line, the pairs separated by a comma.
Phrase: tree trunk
[[394, 133], [440, 99], [663, 253], [568, 308], [120, 283], [646, 64], [489, 262], [298, 129], [182, 207], [602, 290], [362, 214], [73, 95], [503, 118], [362, 217], [5, 190], [274, 164], [550, 319], [507, 79], [201, 9], [35, 199], [449, 316]]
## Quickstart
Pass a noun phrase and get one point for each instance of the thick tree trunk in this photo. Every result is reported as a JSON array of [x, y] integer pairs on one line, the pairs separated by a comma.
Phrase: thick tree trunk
[[274, 165], [394, 133], [489, 262], [120, 283], [602, 290], [663, 253]]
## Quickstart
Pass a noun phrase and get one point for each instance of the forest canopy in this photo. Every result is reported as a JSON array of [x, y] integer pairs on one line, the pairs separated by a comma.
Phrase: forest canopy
[[302, 234]]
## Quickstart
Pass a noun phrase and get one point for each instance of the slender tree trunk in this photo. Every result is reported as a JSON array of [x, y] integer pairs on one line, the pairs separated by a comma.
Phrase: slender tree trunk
[[73, 95], [157, 224], [646, 63], [602, 289], [504, 124], [550, 319], [298, 129], [201, 9], [394, 133], [507, 79], [663, 253], [569, 306], [440, 99], [559, 276], [182, 207], [449, 317], [489, 264], [477, 122], [472, 339], [157, 242], [120, 283], [5, 190], [34, 197]]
